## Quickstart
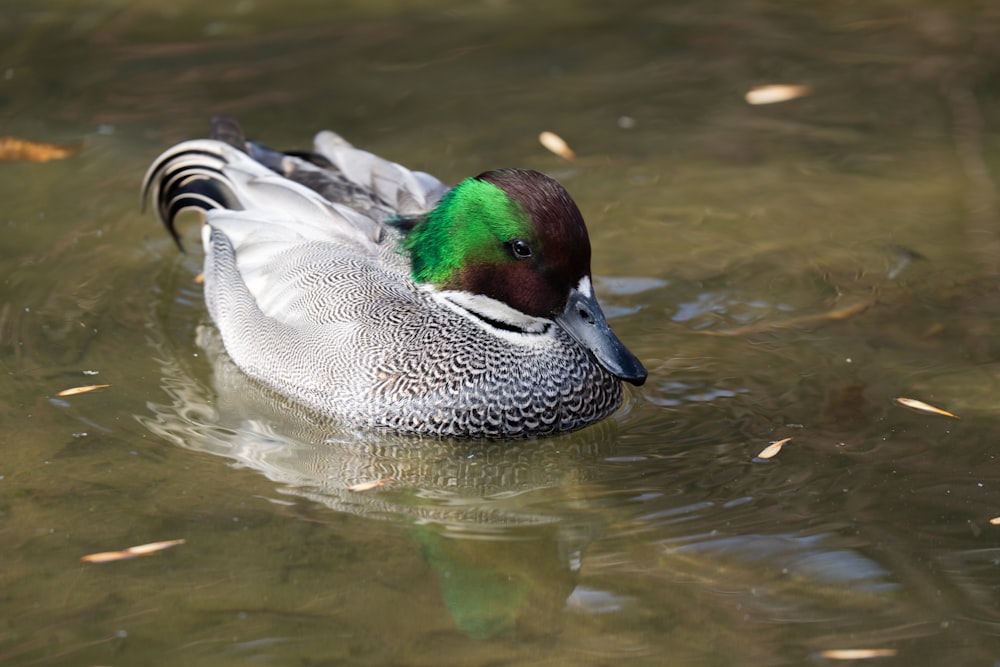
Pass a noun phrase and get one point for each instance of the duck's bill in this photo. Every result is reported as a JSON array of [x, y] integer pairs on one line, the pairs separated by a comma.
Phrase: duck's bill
[[583, 319]]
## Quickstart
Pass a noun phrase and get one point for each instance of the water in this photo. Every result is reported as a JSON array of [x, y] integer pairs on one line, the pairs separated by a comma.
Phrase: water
[[783, 271]]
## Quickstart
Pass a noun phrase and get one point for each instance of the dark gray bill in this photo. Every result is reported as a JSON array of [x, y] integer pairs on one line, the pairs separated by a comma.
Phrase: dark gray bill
[[583, 319]]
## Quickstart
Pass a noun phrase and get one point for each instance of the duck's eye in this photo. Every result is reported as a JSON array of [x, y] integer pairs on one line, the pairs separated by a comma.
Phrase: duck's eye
[[520, 248]]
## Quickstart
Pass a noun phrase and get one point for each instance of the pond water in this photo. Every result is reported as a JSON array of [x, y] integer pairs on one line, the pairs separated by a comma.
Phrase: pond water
[[783, 270]]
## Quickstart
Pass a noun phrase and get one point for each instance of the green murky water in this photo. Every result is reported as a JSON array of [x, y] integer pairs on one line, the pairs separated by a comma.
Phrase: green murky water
[[783, 270]]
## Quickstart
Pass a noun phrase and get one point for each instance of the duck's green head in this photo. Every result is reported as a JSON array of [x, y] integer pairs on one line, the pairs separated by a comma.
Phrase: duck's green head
[[517, 237]]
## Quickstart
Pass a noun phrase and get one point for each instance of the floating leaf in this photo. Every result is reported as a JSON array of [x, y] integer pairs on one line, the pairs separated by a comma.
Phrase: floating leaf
[[131, 552], [995, 521], [924, 407], [82, 390], [107, 557], [772, 450], [774, 93], [858, 653], [199, 279], [556, 144], [365, 486], [12, 148], [153, 547]]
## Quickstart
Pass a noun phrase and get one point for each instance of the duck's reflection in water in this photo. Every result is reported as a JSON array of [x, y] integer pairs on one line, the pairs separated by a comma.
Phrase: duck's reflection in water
[[502, 524]]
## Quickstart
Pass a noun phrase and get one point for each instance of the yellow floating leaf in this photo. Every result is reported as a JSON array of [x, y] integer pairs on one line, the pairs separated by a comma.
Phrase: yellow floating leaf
[[858, 653], [772, 450], [365, 486], [995, 521], [131, 552], [774, 93], [12, 148], [199, 279], [557, 145], [82, 390], [924, 407]]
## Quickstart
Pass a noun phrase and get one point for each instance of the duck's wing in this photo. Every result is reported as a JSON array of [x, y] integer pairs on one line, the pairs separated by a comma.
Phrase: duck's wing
[[212, 176], [272, 238], [407, 192], [282, 219], [379, 189]]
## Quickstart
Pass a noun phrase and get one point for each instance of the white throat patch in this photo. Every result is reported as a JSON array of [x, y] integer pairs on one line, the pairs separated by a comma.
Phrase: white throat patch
[[495, 316]]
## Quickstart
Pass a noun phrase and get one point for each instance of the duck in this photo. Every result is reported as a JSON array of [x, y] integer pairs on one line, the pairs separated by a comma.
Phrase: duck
[[382, 299]]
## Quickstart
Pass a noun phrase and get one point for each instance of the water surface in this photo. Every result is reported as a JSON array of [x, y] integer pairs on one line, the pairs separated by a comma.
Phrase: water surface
[[784, 271]]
